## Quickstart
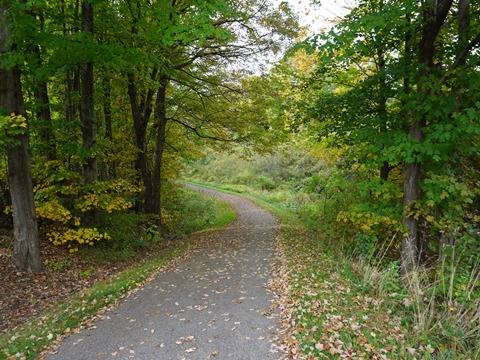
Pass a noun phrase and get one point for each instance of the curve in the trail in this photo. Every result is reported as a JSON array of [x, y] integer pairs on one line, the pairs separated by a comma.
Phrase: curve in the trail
[[213, 304]]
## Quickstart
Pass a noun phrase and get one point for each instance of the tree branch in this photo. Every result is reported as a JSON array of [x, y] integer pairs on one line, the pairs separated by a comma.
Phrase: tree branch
[[195, 130], [460, 57]]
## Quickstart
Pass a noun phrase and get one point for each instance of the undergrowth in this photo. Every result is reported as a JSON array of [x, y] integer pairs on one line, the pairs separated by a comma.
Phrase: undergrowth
[[131, 233]]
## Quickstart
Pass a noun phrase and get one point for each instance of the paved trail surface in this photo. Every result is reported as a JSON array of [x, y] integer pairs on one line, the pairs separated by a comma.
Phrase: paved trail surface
[[213, 305]]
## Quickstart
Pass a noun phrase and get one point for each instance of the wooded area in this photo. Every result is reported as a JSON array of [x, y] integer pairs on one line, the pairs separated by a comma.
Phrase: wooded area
[[108, 87], [395, 87], [369, 131], [380, 118]]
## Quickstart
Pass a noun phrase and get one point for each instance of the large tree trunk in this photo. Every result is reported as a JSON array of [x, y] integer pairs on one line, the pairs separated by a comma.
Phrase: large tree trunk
[[26, 245], [89, 138]]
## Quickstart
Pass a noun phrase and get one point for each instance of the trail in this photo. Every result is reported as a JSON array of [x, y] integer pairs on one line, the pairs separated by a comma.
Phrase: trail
[[213, 304]]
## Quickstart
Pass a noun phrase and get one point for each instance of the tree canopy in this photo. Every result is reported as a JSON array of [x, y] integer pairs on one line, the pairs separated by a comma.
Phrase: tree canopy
[[112, 88], [116, 93], [394, 85]]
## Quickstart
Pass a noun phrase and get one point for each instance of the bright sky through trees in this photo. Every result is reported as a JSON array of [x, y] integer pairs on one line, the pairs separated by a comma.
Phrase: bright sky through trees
[[321, 14]]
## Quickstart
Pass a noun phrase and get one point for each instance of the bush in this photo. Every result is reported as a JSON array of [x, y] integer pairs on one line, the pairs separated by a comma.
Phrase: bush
[[129, 233], [265, 182], [61, 200]]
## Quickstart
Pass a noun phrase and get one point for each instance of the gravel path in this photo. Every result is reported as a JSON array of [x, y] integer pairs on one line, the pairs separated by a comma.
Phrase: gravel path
[[213, 305]]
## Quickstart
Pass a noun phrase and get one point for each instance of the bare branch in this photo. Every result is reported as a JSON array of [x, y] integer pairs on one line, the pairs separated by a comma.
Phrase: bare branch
[[195, 130]]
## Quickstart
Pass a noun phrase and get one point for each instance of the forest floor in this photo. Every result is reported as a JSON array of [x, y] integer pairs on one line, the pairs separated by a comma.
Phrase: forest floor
[[64, 274]]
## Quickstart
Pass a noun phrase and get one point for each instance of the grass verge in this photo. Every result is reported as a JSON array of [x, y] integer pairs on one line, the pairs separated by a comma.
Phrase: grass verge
[[26, 341]]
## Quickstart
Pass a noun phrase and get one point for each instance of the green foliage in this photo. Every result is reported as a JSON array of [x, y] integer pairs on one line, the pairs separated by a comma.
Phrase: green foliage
[[129, 234], [266, 183], [61, 264], [10, 127], [362, 257], [376, 215], [135, 47], [363, 94]]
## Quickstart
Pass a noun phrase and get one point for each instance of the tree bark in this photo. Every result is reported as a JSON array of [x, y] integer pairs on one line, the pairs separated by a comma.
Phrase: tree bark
[[382, 112], [142, 108], [108, 170], [44, 115], [87, 116], [463, 22], [26, 252], [87, 102], [107, 107], [411, 188], [385, 171], [42, 101], [160, 116]]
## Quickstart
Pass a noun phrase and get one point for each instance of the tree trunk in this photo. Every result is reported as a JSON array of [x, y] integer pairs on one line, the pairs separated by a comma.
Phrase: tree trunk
[[160, 116], [26, 244], [107, 107], [411, 186], [382, 111], [87, 118], [109, 169], [72, 87], [435, 13], [385, 171], [143, 168], [463, 23], [45, 118], [42, 102], [141, 112]]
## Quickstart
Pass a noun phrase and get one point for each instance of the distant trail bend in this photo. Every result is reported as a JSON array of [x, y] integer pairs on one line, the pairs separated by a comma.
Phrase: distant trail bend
[[213, 304]]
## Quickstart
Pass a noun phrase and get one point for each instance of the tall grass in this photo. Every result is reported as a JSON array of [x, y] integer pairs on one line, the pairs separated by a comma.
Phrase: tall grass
[[433, 308]]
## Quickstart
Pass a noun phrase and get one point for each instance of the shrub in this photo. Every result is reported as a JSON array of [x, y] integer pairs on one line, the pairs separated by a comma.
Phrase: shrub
[[265, 182], [61, 200]]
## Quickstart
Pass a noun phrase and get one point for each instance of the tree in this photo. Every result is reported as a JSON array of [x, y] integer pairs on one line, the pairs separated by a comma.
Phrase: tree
[[433, 69], [93, 71], [27, 249], [223, 34], [387, 88], [87, 116]]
